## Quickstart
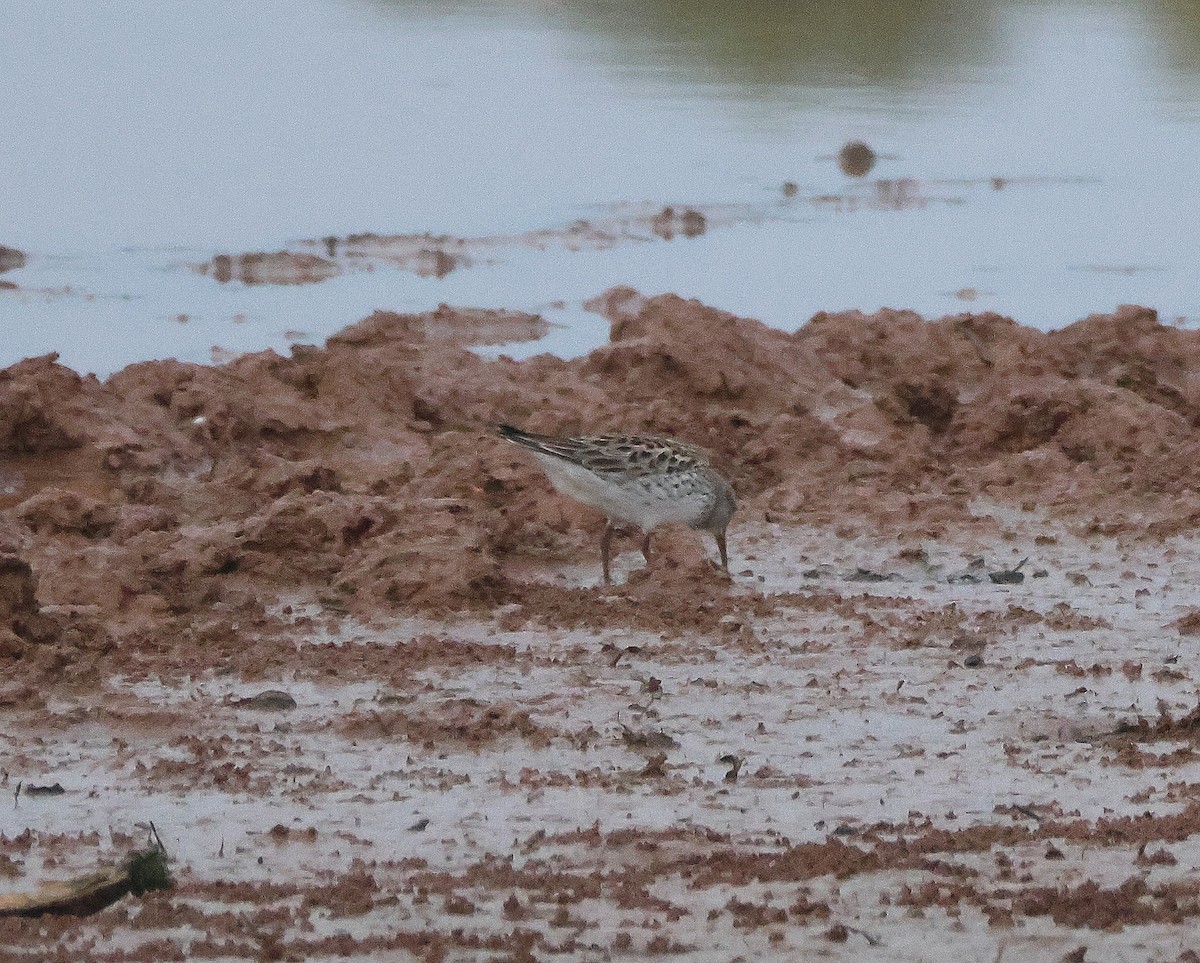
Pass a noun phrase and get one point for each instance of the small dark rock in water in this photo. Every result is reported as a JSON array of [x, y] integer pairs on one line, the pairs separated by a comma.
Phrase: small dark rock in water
[[1040, 573], [647, 740], [866, 575], [973, 661], [856, 159], [270, 701], [55, 790], [419, 826], [790, 188], [11, 258], [1009, 576]]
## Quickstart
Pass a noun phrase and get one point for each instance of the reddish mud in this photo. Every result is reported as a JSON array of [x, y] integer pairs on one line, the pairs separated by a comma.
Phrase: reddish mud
[[277, 267], [368, 471], [437, 255], [343, 524]]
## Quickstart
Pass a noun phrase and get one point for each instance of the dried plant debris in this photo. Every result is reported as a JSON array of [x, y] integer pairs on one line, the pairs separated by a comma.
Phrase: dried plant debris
[[38, 791], [141, 872], [1009, 576]]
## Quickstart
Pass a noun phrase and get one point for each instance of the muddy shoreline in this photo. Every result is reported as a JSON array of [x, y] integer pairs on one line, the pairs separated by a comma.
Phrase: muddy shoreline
[[369, 468], [344, 520]]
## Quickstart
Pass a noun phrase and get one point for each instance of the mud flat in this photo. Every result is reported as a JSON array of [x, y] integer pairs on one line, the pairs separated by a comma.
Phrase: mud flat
[[436, 255], [275, 267], [348, 652], [615, 225]]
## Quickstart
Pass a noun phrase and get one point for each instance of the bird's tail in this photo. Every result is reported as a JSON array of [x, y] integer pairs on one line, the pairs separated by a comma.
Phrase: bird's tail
[[527, 438], [565, 448], [516, 435]]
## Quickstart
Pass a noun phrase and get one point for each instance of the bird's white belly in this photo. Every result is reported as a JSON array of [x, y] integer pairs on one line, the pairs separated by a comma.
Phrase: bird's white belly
[[645, 502]]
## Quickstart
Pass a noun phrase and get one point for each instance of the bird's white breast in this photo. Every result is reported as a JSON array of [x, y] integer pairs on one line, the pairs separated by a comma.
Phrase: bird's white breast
[[646, 501]]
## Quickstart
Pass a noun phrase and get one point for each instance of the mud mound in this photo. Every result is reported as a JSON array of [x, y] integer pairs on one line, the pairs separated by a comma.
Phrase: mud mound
[[43, 407], [20, 614], [367, 472]]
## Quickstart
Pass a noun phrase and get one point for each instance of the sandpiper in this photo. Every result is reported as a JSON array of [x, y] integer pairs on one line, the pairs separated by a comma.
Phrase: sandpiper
[[637, 480]]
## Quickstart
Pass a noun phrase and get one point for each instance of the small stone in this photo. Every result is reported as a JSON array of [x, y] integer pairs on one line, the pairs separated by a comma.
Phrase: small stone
[[55, 790], [11, 258], [866, 575], [272, 700], [856, 159], [837, 933]]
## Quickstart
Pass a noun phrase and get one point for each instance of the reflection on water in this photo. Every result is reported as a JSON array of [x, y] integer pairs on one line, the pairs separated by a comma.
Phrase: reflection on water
[[1177, 25], [818, 43], [791, 44], [1068, 128]]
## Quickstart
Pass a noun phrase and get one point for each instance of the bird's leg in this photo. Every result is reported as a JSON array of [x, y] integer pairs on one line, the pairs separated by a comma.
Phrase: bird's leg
[[605, 549], [646, 547], [721, 548]]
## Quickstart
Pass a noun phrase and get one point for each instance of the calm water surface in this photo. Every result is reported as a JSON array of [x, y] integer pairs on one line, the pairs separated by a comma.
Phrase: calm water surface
[[142, 136]]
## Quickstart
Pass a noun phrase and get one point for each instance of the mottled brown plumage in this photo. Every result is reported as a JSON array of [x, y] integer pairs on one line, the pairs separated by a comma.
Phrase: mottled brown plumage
[[640, 480]]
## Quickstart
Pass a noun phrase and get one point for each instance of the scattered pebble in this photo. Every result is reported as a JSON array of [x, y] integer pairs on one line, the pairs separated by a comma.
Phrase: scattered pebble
[[856, 159], [55, 790], [273, 700]]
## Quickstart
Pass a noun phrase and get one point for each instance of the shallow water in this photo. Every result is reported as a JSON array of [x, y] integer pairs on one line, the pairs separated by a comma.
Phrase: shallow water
[[145, 137]]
